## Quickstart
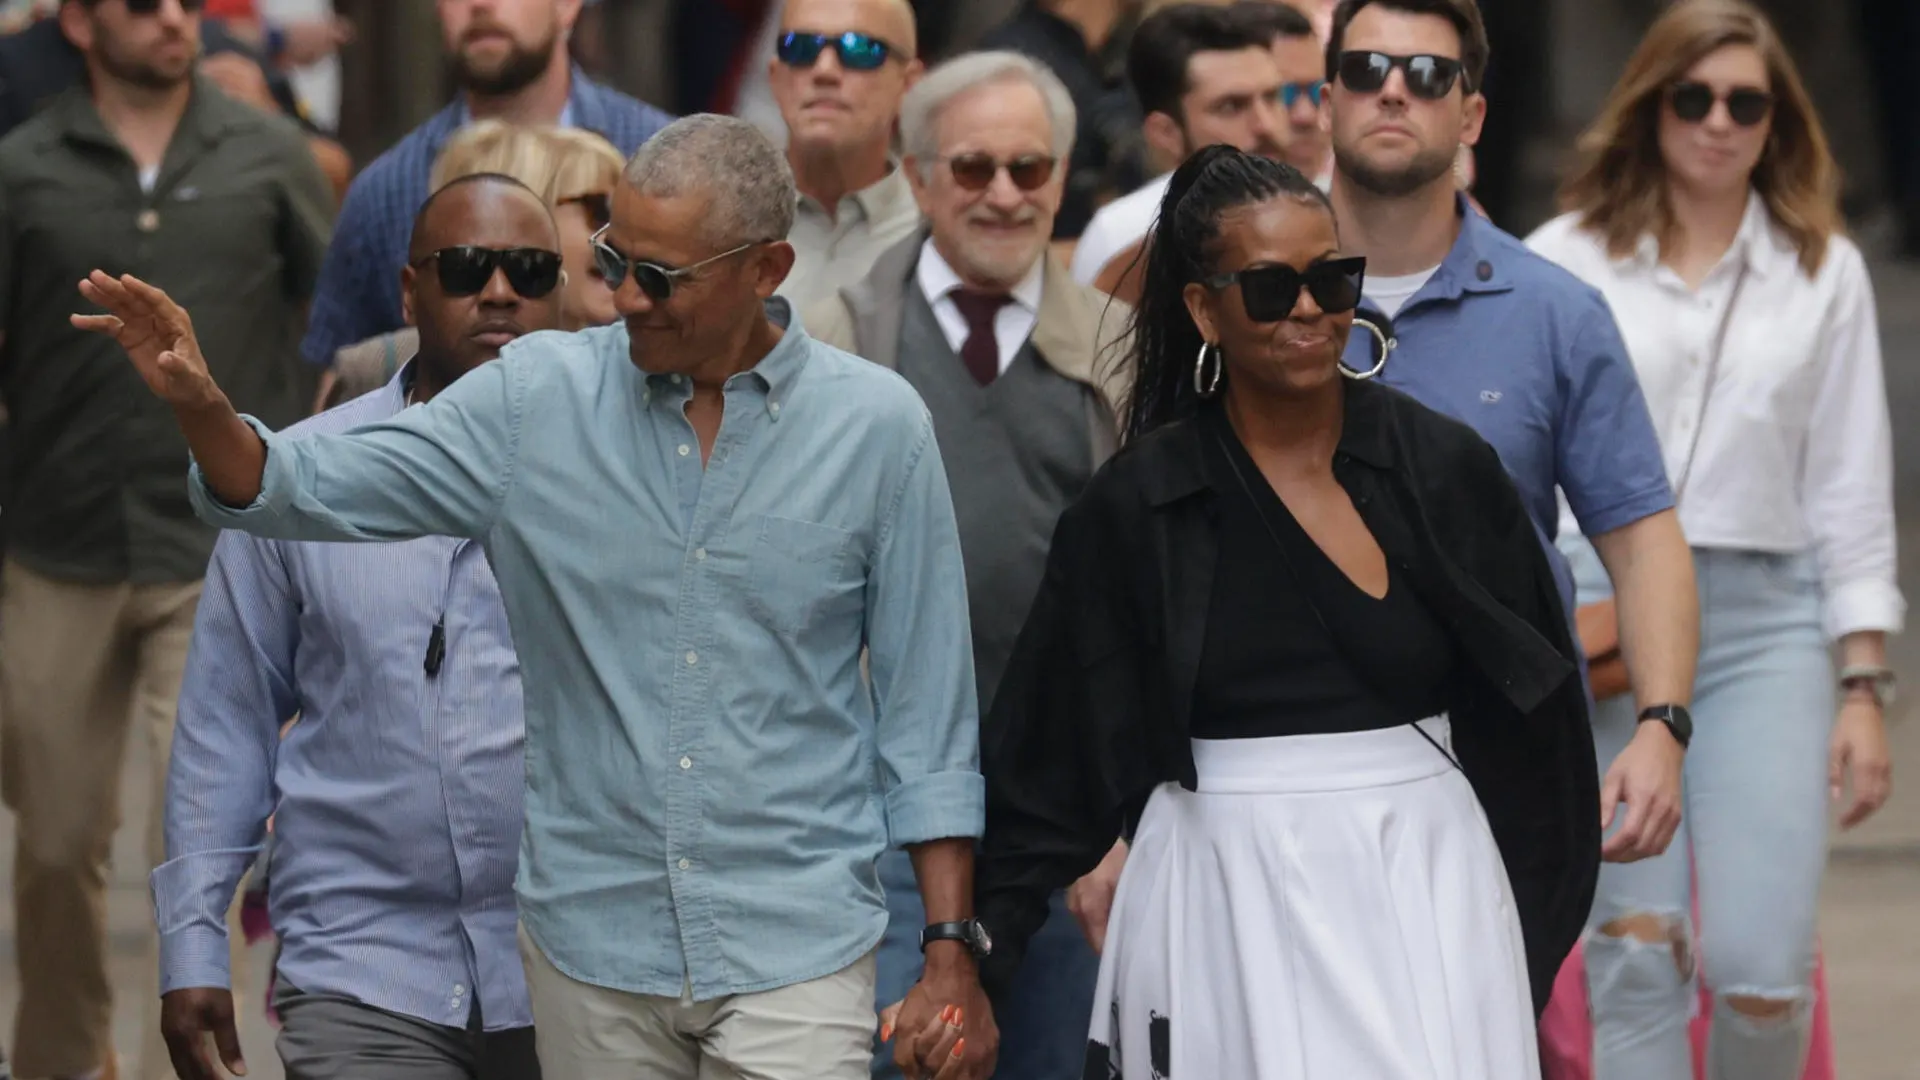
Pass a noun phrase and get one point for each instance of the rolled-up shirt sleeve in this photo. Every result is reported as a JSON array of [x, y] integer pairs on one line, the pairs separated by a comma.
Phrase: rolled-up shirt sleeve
[[440, 469], [920, 653], [237, 691], [1848, 481]]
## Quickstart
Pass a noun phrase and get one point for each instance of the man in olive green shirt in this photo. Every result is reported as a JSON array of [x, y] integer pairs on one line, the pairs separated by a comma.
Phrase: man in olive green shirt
[[146, 170]]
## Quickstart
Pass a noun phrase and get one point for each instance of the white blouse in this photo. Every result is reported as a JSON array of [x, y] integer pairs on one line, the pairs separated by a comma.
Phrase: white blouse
[[1794, 447]]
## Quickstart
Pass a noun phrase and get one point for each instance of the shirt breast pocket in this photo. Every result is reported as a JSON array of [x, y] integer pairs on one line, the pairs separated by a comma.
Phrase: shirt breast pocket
[[800, 572]]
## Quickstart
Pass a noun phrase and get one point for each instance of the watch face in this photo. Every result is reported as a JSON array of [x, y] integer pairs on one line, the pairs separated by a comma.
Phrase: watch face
[[982, 942]]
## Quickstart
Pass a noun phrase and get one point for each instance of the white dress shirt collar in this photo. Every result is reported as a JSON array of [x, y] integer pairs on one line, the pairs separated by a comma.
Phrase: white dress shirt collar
[[1011, 327]]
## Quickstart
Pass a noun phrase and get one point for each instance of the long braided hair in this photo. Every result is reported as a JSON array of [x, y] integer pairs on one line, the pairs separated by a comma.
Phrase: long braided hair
[[1182, 249]]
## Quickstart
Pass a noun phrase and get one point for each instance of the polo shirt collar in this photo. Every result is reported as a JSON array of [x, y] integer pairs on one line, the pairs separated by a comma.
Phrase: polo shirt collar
[[885, 197], [1476, 263], [878, 201]]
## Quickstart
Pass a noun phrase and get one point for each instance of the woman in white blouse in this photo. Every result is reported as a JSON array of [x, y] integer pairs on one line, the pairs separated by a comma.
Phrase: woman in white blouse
[[1705, 208]]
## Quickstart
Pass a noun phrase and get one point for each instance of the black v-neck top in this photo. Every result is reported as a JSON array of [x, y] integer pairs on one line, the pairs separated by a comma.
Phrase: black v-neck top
[[1304, 651]]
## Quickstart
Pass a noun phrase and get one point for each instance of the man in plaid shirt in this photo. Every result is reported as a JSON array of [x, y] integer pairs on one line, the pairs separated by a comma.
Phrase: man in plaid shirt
[[510, 57]]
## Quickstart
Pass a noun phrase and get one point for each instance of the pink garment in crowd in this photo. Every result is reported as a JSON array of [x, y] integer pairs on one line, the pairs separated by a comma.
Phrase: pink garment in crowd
[[1566, 1035]]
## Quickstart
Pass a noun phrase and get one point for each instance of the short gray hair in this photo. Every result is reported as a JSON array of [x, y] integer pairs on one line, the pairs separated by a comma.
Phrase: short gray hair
[[920, 110], [729, 159]]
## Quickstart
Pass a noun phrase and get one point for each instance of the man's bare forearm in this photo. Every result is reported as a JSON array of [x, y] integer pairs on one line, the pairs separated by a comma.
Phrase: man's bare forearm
[[1658, 607], [944, 870], [230, 454]]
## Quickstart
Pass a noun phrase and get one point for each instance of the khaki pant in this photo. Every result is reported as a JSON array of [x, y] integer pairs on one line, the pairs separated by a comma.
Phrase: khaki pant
[[818, 1030], [79, 666]]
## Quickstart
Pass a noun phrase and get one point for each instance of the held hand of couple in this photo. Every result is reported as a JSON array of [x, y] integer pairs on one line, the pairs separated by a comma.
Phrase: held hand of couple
[[940, 1034]]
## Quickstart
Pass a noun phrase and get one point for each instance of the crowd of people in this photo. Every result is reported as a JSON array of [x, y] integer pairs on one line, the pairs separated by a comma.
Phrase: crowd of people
[[632, 597]]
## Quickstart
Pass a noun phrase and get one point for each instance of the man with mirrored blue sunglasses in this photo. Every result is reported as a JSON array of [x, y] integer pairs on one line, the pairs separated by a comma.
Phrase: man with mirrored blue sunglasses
[[839, 71]]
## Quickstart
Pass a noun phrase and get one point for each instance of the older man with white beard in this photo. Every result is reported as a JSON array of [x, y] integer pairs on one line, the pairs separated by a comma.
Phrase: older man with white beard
[[1005, 348]]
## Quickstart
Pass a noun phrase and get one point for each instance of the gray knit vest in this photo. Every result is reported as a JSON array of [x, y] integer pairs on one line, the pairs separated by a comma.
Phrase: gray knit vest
[[1017, 453]]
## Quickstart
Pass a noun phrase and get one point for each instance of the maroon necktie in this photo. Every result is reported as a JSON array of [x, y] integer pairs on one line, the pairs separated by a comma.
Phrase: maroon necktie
[[982, 350]]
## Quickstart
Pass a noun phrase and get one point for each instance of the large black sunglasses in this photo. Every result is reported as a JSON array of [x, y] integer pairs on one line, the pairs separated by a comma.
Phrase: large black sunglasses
[[1746, 105], [656, 281], [152, 7], [465, 270], [858, 52], [1270, 293], [1428, 77]]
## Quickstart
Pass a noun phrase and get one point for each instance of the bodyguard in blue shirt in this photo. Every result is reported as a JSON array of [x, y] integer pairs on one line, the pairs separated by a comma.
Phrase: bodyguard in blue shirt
[[701, 520], [1519, 349], [510, 58], [397, 795]]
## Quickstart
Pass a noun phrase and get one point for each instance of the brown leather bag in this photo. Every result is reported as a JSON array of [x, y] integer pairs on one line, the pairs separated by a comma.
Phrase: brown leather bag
[[1599, 630]]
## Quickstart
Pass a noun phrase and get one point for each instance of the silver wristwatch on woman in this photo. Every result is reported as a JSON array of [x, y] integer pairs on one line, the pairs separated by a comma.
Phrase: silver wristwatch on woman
[[1877, 681]]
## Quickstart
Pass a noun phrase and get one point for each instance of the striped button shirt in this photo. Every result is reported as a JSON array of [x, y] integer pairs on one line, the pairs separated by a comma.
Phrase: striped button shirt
[[397, 797], [359, 292]]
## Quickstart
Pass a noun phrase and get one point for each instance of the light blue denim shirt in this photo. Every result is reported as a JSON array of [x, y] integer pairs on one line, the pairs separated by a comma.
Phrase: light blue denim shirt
[[709, 776], [396, 798]]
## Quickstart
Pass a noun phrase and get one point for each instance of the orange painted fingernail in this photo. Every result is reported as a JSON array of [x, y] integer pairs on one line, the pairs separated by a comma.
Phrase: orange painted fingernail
[[959, 1048], [959, 1016], [886, 1032], [946, 1014]]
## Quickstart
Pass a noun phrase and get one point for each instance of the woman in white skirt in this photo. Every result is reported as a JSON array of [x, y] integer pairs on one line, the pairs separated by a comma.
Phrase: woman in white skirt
[[1300, 643]]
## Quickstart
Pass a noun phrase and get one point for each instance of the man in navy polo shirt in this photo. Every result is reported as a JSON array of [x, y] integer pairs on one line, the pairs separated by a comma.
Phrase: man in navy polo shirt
[[510, 57], [1501, 339]]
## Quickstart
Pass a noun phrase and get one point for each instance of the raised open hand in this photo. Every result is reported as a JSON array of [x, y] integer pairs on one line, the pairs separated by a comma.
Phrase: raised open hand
[[155, 332]]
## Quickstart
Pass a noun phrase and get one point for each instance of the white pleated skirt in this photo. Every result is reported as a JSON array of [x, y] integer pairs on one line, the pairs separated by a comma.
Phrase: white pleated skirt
[[1323, 907]]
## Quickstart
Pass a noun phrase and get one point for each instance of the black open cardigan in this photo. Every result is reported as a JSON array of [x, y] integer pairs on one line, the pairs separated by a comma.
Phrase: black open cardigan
[[1093, 711]]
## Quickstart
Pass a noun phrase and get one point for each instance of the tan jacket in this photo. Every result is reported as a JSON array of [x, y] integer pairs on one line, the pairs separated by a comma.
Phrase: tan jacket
[[367, 366], [1080, 333]]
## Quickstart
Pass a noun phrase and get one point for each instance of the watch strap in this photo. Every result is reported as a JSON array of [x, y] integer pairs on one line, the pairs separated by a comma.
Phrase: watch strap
[[1676, 717]]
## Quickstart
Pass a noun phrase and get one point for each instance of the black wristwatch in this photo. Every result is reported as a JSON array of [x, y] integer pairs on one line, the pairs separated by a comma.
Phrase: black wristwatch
[[968, 932], [1678, 720]]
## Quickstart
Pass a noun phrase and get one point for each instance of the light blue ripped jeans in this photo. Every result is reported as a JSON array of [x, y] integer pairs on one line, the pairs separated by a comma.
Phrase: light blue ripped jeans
[[1755, 824]]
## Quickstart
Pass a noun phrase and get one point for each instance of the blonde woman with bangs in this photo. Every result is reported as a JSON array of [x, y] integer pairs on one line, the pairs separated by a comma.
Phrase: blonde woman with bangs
[[575, 171], [1705, 208]]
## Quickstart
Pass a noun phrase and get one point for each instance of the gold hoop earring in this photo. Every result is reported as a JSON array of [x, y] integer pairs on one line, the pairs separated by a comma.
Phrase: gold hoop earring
[[1387, 345], [1203, 384]]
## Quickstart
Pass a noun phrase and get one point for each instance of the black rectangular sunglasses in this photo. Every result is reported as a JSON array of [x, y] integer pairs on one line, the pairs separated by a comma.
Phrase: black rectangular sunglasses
[[152, 7], [465, 270], [1747, 105], [858, 52], [1270, 293], [1428, 77]]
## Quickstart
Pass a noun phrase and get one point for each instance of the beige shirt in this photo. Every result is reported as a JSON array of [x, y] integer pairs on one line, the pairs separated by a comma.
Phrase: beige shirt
[[837, 250]]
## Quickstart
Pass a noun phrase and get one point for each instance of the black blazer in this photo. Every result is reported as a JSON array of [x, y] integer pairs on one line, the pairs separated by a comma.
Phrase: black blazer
[[1093, 712]]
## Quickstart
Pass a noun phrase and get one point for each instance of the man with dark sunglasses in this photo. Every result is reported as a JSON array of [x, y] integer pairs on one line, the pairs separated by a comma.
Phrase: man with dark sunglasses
[[143, 165], [838, 72], [510, 61], [735, 585], [397, 795], [1006, 350], [1498, 337]]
